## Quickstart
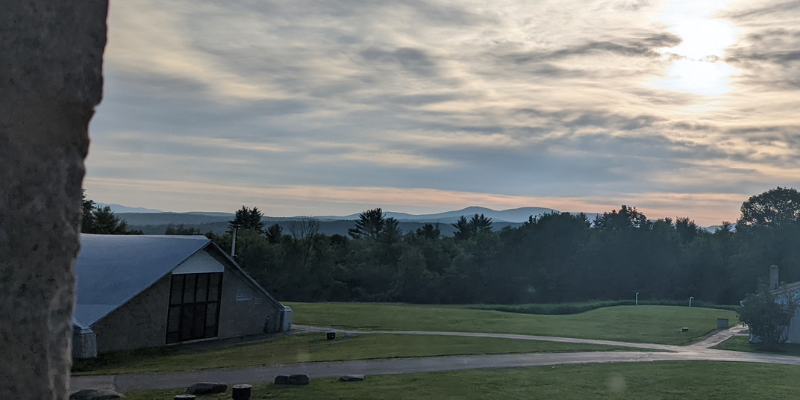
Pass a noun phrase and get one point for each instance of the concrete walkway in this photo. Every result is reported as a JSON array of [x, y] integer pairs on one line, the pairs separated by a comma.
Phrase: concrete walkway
[[700, 351], [710, 341]]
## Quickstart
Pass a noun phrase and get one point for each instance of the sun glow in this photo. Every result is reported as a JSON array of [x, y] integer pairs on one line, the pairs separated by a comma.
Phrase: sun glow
[[697, 65]]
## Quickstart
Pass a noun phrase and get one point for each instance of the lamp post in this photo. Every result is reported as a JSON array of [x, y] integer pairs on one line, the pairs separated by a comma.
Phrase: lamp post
[[690, 301], [637, 298]]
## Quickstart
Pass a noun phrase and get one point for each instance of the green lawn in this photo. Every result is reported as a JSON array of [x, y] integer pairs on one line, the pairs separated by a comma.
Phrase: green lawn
[[656, 380], [315, 347], [640, 324], [740, 343]]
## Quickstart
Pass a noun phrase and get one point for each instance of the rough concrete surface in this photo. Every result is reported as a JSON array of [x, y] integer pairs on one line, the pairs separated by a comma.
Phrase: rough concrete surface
[[51, 54]]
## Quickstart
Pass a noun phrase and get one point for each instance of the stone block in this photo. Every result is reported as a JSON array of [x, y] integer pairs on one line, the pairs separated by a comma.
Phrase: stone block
[[204, 388], [351, 378], [95, 394], [295, 380]]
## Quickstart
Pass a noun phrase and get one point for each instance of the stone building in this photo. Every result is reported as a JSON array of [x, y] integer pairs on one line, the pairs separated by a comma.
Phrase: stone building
[[137, 291]]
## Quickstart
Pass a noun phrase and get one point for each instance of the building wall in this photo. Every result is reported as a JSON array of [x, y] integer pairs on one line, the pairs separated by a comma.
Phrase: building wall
[[141, 322], [794, 328], [244, 310]]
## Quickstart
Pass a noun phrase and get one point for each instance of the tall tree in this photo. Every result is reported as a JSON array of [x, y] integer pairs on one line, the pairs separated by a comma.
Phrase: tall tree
[[274, 233], [687, 229], [248, 218], [429, 231], [104, 222], [463, 229], [369, 224], [480, 224], [626, 218], [101, 220], [88, 207], [770, 209]]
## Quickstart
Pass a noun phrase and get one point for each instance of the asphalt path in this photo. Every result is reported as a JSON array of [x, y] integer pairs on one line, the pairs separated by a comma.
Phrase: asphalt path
[[700, 351]]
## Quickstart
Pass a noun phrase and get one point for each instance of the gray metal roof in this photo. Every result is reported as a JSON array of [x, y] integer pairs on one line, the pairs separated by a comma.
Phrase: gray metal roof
[[111, 269]]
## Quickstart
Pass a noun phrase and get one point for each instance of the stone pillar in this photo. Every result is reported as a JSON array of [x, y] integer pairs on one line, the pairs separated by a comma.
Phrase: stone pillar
[[51, 55]]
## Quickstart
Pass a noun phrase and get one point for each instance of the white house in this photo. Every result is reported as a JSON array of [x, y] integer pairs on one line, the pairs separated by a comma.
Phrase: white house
[[793, 330]]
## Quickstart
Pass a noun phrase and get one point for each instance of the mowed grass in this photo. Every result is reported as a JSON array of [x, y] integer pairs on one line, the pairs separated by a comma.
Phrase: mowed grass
[[314, 348], [741, 343], [656, 380], [639, 324]]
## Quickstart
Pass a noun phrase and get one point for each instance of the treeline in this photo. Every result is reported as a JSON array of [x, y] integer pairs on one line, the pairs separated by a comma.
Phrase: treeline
[[552, 258]]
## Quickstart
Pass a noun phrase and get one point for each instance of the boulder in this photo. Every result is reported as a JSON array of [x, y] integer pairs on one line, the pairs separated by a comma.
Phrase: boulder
[[95, 394], [295, 380], [351, 378], [298, 379], [204, 388]]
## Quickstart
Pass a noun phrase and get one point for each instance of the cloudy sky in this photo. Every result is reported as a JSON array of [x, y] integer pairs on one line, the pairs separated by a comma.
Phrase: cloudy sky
[[680, 108]]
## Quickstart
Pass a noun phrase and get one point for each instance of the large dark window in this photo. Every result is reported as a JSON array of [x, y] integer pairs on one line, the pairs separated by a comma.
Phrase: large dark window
[[194, 307]]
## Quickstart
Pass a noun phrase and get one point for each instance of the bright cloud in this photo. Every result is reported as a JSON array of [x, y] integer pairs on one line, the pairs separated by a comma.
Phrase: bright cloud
[[674, 106]]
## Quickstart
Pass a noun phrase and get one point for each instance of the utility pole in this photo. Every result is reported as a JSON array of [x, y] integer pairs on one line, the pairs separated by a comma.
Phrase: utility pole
[[233, 242]]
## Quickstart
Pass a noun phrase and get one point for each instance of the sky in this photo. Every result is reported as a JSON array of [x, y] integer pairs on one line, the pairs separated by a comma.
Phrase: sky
[[332, 107]]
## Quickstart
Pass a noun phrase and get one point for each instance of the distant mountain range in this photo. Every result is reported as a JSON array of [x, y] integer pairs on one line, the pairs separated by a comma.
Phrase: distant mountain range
[[155, 221], [152, 221], [514, 215]]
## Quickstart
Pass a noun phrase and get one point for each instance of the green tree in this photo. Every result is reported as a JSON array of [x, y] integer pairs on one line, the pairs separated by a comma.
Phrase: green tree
[[429, 231], [101, 220], [463, 229], [88, 207], [626, 218], [767, 313], [687, 229], [772, 208], [274, 233], [104, 222], [248, 218], [181, 229], [369, 224], [480, 224], [391, 232]]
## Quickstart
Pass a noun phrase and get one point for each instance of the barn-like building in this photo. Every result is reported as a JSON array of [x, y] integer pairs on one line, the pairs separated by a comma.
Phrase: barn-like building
[[135, 291]]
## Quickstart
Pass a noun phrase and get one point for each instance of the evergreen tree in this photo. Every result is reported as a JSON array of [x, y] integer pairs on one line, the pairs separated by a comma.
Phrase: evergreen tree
[[248, 219]]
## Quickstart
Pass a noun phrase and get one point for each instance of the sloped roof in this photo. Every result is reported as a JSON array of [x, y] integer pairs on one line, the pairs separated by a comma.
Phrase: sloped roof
[[112, 269]]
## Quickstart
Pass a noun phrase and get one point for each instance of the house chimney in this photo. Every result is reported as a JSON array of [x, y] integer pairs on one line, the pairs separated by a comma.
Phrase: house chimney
[[773, 277]]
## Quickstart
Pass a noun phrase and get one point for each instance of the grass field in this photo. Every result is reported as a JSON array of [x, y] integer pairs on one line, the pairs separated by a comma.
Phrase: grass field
[[740, 343], [656, 380], [640, 324], [314, 347]]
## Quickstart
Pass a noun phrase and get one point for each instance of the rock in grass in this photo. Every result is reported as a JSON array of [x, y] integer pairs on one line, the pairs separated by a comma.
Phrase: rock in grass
[[296, 380], [95, 394], [351, 378], [203, 388], [299, 379]]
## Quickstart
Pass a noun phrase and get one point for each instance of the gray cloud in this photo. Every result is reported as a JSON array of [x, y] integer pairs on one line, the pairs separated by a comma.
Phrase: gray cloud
[[540, 99]]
